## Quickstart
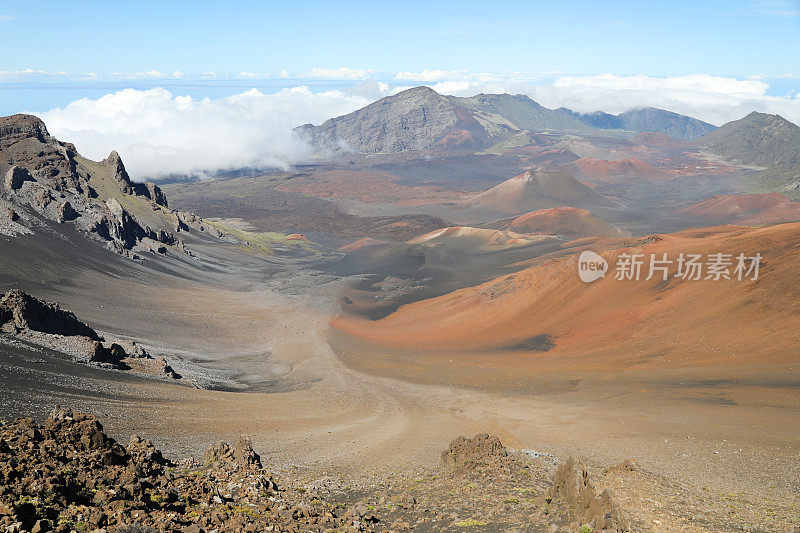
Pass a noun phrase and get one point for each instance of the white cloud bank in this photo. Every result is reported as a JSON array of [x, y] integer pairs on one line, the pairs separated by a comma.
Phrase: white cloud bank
[[158, 133], [715, 99]]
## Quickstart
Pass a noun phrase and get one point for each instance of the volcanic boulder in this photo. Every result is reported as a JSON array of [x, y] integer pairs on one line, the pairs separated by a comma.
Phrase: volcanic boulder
[[15, 177], [108, 356], [245, 455], [242, 456], [66, 212], [466, 453]]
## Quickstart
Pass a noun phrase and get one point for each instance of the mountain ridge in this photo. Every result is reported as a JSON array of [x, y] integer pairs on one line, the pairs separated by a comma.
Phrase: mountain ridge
[[420, 118]]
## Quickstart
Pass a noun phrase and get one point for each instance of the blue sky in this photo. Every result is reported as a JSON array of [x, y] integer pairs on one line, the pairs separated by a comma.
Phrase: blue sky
[[149, 78], [729, 38]]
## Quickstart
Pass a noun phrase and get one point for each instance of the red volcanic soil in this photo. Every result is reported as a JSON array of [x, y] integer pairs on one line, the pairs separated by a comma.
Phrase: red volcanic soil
[[458, 139], [599, 169], [746, 209], [570, 221], [545, 319], [296, 237], [467, 134], [360, 244], [366, 186]]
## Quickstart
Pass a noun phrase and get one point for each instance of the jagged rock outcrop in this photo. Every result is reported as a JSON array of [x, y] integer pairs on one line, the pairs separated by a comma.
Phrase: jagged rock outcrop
[[186, 220], [51, 178], [573, 487], [26, 312], [149, 190], [25, 142], [167, 370], [155, 194], [245, 455], [25, 315], [118, 226], [114, 163]]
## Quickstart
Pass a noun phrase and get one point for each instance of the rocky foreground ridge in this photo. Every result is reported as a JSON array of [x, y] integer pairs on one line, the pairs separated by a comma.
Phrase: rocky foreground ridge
[[68, 475], [47, 178]]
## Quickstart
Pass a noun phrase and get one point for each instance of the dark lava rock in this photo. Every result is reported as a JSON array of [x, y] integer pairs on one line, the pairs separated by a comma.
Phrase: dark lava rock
[[168, 370], [66, 212], [111, 356], [15, 177], [155, 193], [28, 312], [70, 473]]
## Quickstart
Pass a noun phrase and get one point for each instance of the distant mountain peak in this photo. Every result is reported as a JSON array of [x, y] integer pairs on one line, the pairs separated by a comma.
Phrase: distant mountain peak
[[756, 139], [419, 118], [764, 140]]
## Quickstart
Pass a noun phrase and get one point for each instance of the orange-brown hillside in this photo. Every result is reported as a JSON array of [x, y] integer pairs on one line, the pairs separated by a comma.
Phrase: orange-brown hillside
[[599, 169], [611, 324], [747, 209], [569, 221]]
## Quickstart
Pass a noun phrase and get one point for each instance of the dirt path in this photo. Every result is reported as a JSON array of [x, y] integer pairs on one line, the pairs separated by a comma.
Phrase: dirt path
[[323, 417]]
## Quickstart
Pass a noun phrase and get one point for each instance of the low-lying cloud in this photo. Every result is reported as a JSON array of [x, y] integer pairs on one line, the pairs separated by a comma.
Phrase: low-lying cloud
[[158, 133]]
